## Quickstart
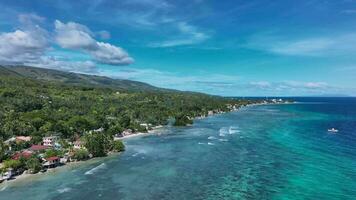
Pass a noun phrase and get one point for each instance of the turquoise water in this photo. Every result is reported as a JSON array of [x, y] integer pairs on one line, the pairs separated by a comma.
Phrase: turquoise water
[[261, 152]]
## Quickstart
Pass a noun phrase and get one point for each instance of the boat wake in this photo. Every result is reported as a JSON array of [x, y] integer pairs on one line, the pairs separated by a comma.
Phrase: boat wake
[[95, 169]]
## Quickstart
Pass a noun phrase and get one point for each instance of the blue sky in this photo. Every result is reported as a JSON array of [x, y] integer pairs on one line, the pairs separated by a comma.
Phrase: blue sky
[[230, 48]]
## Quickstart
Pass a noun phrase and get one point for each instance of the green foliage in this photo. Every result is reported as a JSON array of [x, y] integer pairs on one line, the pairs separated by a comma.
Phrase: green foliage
[[2, 150], [14, 164], [182, 120], [70, 105], [118, 146], [98, 143], [17, 146], [33, 164], [52, 152], [80, 154]]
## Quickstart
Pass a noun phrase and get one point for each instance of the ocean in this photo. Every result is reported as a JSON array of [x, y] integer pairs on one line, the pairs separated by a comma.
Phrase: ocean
[[260, 152]]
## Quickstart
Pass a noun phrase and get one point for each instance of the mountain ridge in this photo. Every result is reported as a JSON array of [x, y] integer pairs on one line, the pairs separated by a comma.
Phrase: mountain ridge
[[76, 79]]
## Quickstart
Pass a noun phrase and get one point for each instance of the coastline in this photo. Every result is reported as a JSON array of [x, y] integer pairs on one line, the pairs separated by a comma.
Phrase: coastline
[[154, 130], [28, 177]]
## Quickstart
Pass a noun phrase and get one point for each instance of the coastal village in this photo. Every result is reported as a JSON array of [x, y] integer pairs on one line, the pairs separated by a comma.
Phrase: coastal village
[[27, 157]]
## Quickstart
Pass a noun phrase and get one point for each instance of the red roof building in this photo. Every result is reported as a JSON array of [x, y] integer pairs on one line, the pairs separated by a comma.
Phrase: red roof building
[[51, 162], [52, 159], [19, 155], [38, 147]]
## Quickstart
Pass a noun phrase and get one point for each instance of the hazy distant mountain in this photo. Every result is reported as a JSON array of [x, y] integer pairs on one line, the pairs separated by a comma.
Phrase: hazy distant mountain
[[75, 78]]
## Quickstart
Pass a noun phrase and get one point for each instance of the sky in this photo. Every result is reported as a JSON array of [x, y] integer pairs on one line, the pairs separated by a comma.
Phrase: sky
[[221, 47]]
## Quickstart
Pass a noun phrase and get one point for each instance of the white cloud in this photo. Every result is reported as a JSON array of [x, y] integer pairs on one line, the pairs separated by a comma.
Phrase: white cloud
[[30, 19], [308, 46], [58, 64], [25, 44], [261, 84], [188, 35], [304, 47], [74, 36], [291, 86], [78, 37], [104, 35], [31, 45], [22, 46]]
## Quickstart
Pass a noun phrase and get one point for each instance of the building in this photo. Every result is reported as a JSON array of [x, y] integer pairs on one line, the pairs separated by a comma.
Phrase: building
[[78, 145], [24, 154], [50, 141], [51, 162], [127, 132], [38, 148], [23, 139]]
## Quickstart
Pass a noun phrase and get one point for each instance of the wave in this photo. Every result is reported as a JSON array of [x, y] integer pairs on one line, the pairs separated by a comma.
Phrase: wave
[[3, 188], [95, 169], [234, 129], [210, 143], [223, 140], [135, 154], [63, 190], [223, 131], [211, 138], [200, 143]]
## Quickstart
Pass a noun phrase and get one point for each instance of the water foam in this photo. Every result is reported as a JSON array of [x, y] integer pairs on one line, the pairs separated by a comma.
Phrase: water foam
[[211, 138], [95, 169], [63, 190], [233, 130]]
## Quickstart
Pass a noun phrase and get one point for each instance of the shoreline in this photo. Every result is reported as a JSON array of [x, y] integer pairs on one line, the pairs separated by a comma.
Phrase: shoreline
[[26, 176], [154, 129]]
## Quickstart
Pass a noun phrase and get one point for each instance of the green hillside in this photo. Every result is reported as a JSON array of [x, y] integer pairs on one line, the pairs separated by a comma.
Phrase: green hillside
[[39, 102], [75, 78]]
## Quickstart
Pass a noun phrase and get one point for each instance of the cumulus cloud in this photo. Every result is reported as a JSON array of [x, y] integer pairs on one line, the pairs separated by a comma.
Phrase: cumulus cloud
[[31, 45], [22, 45], [75, 36]]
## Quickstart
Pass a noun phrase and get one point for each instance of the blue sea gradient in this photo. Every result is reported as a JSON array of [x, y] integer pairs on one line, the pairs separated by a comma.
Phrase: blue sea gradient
[[260, 152]]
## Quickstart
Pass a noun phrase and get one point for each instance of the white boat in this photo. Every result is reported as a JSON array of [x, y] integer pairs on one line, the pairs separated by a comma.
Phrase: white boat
[[333, 130]]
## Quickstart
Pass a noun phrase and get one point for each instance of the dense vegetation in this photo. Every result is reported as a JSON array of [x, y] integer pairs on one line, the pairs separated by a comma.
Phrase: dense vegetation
[[33, 106]]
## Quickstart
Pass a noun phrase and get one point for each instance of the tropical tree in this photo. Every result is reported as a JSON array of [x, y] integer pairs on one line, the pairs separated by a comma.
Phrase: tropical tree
[[2, 149], [14, 164], [80, 154], [98, 143], [118, 146], [33, 164]]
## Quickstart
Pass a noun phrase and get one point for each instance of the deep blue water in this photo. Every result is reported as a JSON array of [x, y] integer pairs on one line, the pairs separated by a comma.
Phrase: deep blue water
[[261, 152]]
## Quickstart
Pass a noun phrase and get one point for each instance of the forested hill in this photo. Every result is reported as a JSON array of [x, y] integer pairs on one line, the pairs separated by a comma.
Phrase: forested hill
[[40, 102], [75, 78]]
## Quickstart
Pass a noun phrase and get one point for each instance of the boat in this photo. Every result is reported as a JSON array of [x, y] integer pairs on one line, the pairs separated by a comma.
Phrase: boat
[[333, 130]]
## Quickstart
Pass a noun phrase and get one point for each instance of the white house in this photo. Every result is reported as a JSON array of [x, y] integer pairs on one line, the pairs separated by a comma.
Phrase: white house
[[50, 141]]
